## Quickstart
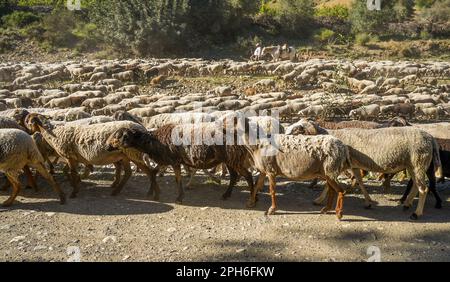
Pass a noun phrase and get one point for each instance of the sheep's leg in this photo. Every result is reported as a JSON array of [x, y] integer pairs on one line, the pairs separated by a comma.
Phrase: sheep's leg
[[151, 173], [272, 187], [313, 183], [432, 186], [387, 182], [13, 178], [6, 185], [74, 178], [30, 179], [224, 170], [118, 173], [367, 200], [248, 177], [87, 171], [319, 201], [423, 190], [178, 178], [407, 191], [330, 199], [340, 199], [233, 181], [256, 188], [44, 173], [126, 176], [191, 173]]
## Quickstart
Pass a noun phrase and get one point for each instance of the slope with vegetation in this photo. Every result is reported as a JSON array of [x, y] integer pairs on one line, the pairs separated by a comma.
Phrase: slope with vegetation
[[214, 27]]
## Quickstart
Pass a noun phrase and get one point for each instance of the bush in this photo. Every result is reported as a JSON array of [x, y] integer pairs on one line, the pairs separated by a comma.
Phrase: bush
[[5, 7], [409, 52], [20, 19], [374, 21], [337, 11], [58, 28], [325, 35], [362, 39], [425, 35]]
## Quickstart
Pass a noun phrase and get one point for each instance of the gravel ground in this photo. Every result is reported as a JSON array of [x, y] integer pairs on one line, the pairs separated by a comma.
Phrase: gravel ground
[[129, 227]]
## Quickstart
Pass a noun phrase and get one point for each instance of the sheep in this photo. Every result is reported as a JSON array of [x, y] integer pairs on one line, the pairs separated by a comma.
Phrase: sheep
[[163, 148], [98, 76], [158, 81], [124, 115], [364, 112], [94, 103], [124, 76], [299, 158], [87, 145], [108, 110], [312, 111], [176, 118], [384, 150], [17, 150]]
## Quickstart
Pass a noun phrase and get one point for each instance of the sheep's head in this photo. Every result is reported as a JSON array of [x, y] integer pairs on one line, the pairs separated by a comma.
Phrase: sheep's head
[[303, 127], [122, 138], [34, 122], [19, 115]]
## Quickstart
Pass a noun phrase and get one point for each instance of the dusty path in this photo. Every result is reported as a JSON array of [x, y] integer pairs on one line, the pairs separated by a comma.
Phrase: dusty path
[[130, 227]]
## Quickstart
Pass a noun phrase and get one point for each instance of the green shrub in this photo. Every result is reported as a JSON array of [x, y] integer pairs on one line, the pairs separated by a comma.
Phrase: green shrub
[[20, 19], [362, 39], [425, 35], [58, 28], [325, 35], [337, 11]]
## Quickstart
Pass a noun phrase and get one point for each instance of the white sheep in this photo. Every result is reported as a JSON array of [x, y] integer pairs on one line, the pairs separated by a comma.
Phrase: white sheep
[[17, 150], [384, 150]]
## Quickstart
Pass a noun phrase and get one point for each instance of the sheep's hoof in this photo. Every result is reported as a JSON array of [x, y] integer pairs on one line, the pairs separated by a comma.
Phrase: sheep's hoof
[[156, 198], [226, 196], [62, 199], [7, 203], [73, 195], [271, 211], [115, 193], [405, 208], [368, 206], [414, 216], [317, 203], [179, 201], [324, 210], [339, 215], [28, 187], [251, 204], [438, 205]]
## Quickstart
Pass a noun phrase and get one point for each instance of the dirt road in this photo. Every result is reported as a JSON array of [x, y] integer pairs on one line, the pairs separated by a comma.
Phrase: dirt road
[[129, 227]]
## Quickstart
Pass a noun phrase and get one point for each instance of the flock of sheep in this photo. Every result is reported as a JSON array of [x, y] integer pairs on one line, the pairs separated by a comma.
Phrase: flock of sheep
[[98, 113]]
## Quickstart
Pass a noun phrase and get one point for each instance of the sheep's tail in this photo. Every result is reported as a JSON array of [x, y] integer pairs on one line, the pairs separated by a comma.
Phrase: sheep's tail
[[437, 160]]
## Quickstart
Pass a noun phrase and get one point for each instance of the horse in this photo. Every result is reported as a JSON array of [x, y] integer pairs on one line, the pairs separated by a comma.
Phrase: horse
[[278, 54]]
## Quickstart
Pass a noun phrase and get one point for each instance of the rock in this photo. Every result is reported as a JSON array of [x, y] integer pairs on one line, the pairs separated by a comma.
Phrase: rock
[[17, 239], [240, 250], [125, 258], [204, 209], [50, 214], [171, 229], [109, 238], [40, 247]]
